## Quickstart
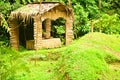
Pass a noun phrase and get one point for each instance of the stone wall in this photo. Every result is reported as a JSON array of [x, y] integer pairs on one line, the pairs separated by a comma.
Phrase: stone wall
[[69, 31], [37, 32], [47, 28], [69, 22], [14, 34]]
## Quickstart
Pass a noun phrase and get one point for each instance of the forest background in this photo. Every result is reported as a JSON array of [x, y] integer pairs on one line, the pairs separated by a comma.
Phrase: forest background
[[105, 15], [90, 57]]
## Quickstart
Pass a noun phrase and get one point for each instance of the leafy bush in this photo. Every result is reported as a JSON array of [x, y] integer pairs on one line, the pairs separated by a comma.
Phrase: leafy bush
[[81, 25], [58, 29], [109, 24], [4, 23]]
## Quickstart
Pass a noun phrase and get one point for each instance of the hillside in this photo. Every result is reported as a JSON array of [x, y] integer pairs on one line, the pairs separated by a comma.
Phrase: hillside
[[95, 56]]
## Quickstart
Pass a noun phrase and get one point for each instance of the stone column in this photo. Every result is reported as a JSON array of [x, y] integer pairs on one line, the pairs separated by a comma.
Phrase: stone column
[[47, 28], [14, 34], [69, 32], [37, 32]]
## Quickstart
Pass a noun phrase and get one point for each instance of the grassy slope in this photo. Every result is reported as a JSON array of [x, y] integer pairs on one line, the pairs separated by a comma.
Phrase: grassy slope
[[89, 57], [95, 56]]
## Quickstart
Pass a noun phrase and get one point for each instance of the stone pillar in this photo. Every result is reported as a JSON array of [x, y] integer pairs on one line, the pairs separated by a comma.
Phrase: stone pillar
[[47, 28], [14, 34], [37, 32], [69, 32]]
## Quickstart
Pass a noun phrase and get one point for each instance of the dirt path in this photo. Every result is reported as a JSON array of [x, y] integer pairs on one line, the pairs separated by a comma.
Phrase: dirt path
[[117, 54], [116, 64]]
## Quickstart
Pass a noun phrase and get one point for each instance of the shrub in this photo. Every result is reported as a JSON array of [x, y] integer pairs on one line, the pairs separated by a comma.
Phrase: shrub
[[109, 24]]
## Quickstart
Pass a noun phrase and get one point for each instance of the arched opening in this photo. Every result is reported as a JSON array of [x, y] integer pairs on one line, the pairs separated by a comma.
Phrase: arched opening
[[58, 29]]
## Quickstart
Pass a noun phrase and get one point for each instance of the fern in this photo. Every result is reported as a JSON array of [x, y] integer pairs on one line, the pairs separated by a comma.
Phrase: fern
[[17, 1], [24, 1], [29, 1], [4, 23]]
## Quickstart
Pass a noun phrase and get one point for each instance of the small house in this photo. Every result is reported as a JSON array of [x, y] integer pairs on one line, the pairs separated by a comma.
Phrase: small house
[[26, 25]]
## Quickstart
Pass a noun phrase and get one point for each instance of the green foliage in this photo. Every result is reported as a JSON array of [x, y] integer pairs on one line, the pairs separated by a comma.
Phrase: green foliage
[[114, 6], [60, 32], [4, 23], [87, 58], [84, 11], [4, 30], [91, 7], [109, 24], [58, 29], [9, 59], [5, 7], [81, 24]]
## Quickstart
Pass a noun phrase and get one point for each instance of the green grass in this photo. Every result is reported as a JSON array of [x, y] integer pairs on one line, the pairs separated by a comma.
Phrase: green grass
[[88, 58], [91, 57]]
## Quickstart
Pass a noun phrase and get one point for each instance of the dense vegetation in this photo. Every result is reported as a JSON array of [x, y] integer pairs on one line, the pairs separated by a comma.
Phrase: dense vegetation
[[95, 56], [87, 58], [104, 13]]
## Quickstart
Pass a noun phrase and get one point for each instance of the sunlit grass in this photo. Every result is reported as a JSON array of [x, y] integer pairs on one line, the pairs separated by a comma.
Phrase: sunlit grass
[[88, 58]]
